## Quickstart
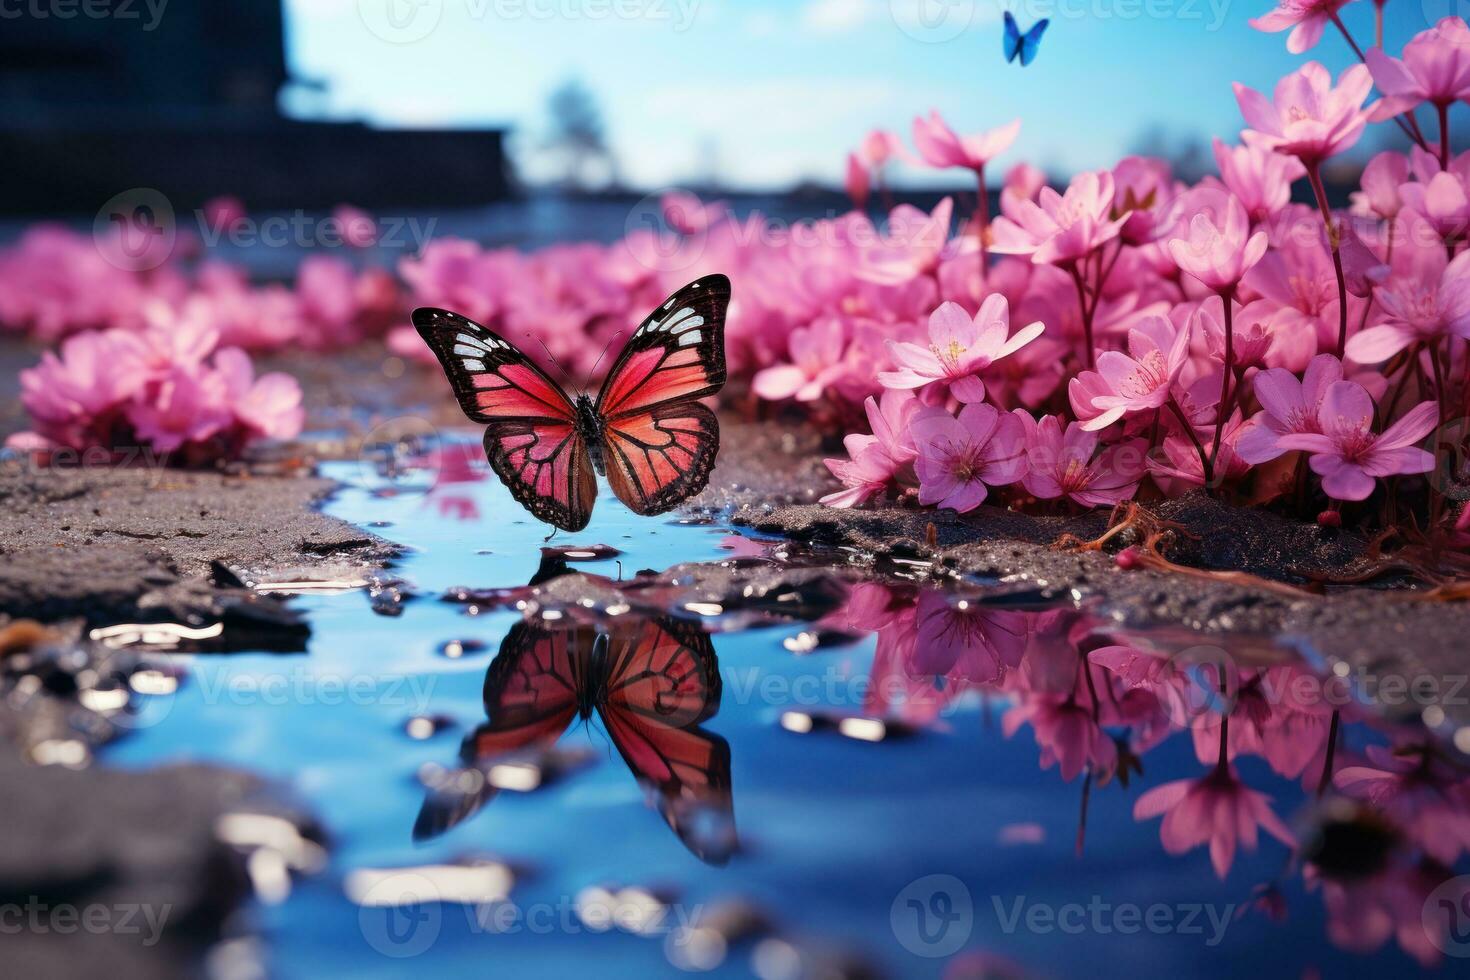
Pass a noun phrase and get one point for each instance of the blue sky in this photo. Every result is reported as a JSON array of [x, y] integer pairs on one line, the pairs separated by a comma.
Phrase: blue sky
[[774, 91]]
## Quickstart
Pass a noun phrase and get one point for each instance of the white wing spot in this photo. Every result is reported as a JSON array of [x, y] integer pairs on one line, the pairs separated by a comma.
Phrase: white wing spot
[[470, 364], [690, 337], [466, 350]]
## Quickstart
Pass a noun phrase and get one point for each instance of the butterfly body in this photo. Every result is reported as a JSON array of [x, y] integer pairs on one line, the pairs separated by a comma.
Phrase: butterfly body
[[1019, 45], [589, 426], [646, 431]]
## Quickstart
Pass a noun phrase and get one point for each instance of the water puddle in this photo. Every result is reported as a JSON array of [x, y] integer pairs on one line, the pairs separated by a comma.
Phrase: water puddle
[[652, 745]]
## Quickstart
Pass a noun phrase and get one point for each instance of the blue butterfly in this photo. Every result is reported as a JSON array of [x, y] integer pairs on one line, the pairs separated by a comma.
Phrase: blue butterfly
[[1026, 44]]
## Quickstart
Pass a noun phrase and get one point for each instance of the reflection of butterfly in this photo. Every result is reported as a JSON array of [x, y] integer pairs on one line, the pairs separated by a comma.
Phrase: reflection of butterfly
[[651, 682], [646, 431], [1023, 45]]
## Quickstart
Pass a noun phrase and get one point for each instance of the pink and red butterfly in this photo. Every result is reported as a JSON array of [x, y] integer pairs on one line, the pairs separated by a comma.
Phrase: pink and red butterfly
[[646, 431]]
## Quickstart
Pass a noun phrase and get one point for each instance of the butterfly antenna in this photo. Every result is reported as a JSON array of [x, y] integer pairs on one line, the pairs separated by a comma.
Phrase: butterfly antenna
[[565, 375], [597, 363], [554, 529]]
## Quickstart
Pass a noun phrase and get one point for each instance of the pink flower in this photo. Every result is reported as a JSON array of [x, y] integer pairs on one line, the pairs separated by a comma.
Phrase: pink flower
[[1435, 68], [1349, 456], [74, 399], [880, 146], [183, 406], [1022, 183], [1288, 406], [1067, 732], [1059, 228], [1306, 18], [959, 348], [1137, 381], [1260, 178], [964, 640], [1220, 248], [356, 226], [1310, 119], [1421, 304], [1440, 202], [1416, 791], [270, 405], [816, 360], [1253, 334], [939, 146], [223, 214], [1381, 180], [867, 472], [959, 458], [1069, 465], [1218, 810], [910, 248], [688, 215]]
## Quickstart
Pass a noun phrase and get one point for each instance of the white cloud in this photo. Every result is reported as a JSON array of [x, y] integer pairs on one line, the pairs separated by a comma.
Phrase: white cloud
[[837, 16]]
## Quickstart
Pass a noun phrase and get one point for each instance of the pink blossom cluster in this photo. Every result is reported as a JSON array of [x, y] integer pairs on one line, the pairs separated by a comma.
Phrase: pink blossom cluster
[[168, 386], [1097, 702], [1129, 334]]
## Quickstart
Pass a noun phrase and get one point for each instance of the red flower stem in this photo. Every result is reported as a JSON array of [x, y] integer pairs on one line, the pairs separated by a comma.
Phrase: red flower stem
[[1314, 174], [982, 220], [1226, 296], [1204, 461], [1087, 357], [1326, 779], [1413, 133], [1378, 24], [1444, 136]]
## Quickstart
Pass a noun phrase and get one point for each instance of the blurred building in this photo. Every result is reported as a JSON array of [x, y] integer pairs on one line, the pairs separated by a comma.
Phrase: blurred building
[[188, 104]]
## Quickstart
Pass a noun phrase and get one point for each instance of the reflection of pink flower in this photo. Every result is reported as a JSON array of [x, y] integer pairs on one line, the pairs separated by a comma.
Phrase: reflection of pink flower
[[959, 347], [1067, 732], [1415, 791], [1306, 18], [960, 638], [1218, 810], [960, 458], [1349, 456], [1310, 118]]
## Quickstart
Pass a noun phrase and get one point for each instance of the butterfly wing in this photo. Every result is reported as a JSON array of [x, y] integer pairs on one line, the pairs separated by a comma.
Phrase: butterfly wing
[[661, 681], [660, 443], [1011, 44], [1032, 41], [531, 696], [531, 436]]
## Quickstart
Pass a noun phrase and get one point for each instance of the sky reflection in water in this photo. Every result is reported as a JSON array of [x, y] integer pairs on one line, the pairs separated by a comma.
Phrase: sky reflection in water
[[1096, 796]]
